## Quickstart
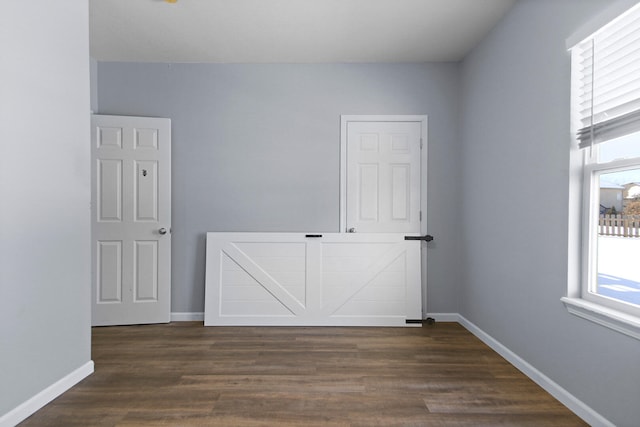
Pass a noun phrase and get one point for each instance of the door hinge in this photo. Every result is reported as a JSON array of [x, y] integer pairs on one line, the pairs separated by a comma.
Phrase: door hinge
[[421, 143], [420, 215]]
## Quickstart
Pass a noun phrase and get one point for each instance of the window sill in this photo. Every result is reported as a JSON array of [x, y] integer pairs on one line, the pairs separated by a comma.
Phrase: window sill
[[607, 317]]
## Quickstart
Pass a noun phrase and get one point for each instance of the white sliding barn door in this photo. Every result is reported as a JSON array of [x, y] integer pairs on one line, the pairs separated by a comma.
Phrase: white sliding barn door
[[383, 177], [131, 210], [318, 279]]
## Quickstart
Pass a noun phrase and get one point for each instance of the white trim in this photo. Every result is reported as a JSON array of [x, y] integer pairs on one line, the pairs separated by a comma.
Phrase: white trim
[[570, 401], [29, 407], [599, 21], [613, 319], [187, 317]]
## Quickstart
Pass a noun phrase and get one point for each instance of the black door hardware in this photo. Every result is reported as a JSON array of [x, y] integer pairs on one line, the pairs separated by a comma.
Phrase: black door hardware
[[426, 238]]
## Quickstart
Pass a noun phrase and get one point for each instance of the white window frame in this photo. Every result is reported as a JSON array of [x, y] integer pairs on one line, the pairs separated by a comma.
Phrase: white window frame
[[592, 171], [581, 299]]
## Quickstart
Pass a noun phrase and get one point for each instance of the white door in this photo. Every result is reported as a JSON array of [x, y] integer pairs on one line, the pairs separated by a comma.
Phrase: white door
[[131, 211], [383, 176], [328, 279]]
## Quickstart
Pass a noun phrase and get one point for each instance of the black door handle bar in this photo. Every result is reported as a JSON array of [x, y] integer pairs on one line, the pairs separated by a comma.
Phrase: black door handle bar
[[426, 238]]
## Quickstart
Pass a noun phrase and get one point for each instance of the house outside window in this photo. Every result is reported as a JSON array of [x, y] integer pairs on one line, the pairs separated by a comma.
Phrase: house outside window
[[606, 123]]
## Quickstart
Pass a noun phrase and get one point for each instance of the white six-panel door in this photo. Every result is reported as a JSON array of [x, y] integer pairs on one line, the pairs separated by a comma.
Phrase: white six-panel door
[[131, 210], [383, 177]]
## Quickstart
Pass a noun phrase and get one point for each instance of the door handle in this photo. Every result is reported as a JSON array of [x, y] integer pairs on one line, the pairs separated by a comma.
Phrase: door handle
[[426, 238], [162, 231]]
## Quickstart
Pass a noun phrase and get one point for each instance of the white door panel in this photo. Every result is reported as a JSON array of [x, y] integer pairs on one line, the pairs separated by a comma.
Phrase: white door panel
[[290, 279], [383, 177], [131, 203]]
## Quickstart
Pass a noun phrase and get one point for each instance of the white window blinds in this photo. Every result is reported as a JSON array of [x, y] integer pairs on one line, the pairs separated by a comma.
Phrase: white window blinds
[[607, 93]]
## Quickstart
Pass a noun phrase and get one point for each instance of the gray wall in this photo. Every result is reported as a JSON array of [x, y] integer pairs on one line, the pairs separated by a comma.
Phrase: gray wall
[[516, 137], [44, 196], [256, 148]]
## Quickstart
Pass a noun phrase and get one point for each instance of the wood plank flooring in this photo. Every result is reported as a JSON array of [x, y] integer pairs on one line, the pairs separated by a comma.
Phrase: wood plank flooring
[[183, 374]]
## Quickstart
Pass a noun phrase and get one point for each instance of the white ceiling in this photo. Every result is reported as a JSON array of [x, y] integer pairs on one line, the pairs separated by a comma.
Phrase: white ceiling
[[290, 31]]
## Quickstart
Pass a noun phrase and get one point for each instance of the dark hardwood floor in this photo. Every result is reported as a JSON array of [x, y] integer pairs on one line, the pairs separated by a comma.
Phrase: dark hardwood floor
[[183, 374]]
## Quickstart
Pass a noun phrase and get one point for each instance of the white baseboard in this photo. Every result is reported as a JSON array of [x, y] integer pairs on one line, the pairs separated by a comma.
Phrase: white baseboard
[[24, 410], [187, 317], [567, 399], [444, 317]]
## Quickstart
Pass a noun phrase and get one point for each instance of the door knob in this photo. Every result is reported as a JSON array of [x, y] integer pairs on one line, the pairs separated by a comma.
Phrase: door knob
[[162, 231]]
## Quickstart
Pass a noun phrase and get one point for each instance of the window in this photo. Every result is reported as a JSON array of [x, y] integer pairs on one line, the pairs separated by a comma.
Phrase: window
[[606, 122]]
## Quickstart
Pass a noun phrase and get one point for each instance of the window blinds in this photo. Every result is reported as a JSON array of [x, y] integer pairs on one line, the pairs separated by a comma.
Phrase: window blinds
[[607, 66]]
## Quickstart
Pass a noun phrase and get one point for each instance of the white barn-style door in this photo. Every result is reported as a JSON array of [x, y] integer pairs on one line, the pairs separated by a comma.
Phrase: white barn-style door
[[131, 220], [319, 279]]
